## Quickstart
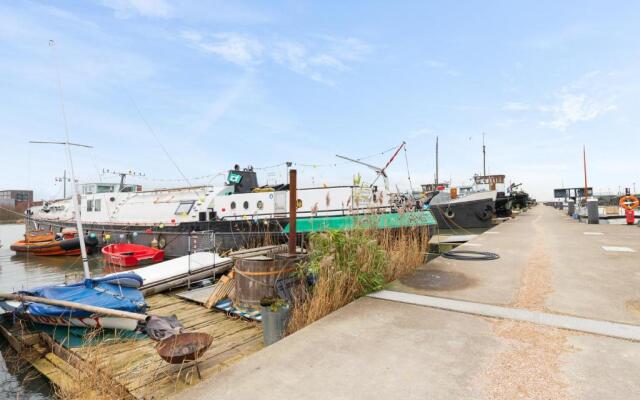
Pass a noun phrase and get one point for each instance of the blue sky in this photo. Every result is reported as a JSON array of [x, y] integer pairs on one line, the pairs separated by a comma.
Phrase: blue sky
[[265, 82]]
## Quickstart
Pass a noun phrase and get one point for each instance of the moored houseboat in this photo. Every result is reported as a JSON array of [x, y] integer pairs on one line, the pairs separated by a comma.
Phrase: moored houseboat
[[237, 214]]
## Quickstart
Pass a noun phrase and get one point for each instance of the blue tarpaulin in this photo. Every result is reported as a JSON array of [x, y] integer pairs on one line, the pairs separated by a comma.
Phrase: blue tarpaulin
[[99, 293]]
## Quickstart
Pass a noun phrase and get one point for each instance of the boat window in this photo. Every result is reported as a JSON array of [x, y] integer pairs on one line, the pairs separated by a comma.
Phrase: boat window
[[96, 205], [245, 205], [104, 188], [260, 205], [233, 205], [89, 205], [184, 207]]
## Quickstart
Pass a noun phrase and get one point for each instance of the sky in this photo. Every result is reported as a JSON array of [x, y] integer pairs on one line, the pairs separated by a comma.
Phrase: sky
[[181, 90]]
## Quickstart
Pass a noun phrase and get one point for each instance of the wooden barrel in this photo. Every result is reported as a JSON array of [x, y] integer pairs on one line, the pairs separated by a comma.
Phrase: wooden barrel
[[256, 277]]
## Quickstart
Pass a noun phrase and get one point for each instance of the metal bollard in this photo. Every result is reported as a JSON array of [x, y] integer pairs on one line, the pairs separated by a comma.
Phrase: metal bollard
[[592, 211], [571, 208]]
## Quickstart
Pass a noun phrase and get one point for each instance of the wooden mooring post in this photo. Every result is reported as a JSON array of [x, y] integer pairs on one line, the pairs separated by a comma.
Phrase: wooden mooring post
[[293, 205]]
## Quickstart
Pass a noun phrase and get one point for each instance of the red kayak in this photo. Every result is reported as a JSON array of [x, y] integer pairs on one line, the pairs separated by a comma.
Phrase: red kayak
[[131, 255]]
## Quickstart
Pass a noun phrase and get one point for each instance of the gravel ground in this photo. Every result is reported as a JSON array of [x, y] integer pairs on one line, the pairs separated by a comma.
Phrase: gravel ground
[[529, 366]]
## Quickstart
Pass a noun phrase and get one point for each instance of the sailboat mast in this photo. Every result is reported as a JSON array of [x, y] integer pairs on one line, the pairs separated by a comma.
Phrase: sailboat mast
[[74, 201], [484, 157], [436, 180]]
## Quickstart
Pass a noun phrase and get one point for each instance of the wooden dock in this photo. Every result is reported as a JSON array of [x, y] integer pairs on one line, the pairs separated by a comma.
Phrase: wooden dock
[[130, 368]]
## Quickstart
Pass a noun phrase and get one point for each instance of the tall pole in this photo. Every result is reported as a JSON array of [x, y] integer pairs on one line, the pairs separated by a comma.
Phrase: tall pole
[[293, 204], [584, 161], [484, 157], [74, 201], [436, 182], [64, 184]]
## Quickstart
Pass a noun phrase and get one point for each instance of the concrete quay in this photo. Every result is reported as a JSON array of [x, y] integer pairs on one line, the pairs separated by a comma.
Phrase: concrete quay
[[414, 341]]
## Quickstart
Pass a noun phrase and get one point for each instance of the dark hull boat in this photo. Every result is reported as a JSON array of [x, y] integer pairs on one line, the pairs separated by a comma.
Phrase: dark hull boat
[[472, 211], [503, 205]]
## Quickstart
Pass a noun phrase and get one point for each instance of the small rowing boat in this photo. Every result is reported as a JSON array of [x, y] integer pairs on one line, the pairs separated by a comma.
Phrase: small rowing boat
[[131, 255], [116, 293], [46, 243]]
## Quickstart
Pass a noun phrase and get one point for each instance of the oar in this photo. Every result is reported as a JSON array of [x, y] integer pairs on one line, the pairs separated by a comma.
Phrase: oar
[[187, 345], [76, 306]]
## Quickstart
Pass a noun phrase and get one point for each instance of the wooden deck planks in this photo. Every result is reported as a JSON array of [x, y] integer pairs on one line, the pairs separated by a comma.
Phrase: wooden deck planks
[[135, 364]]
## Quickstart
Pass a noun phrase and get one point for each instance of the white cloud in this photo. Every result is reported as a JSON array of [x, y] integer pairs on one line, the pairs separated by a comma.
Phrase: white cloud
[[232, 47], [573, 108], [314, 60], [145, 8]]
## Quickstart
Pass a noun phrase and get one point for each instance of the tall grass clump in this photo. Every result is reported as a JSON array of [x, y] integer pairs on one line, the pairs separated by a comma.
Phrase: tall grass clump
[[345, 265]]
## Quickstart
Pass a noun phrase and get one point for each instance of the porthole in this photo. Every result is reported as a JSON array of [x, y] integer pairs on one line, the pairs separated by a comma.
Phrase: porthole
[[233, 205], [260, 205], [245, 205]]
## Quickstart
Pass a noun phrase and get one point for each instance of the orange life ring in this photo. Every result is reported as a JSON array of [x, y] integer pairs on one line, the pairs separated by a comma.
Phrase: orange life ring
[[629, 202]]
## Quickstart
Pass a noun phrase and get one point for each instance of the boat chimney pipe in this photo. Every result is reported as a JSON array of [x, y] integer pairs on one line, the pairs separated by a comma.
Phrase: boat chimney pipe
[[293, 203]]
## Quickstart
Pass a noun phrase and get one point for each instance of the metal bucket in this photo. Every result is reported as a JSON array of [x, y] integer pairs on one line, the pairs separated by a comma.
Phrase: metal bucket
[[274, 324], [256, 277]]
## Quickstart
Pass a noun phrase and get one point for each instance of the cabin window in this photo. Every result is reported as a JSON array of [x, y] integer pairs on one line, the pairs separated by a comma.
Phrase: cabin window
[[97, 205], [233, 205], [89, 205], [104, 188], [184, 207], [260, 205], [245, 205]]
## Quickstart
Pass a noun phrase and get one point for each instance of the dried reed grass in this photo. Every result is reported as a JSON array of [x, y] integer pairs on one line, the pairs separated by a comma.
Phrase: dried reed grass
[[349, 264]]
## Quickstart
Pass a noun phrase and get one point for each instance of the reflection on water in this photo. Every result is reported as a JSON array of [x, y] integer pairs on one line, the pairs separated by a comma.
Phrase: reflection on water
[[24, 272]]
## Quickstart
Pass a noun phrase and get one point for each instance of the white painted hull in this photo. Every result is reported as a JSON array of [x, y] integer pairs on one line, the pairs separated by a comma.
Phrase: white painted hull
[[178, 266]]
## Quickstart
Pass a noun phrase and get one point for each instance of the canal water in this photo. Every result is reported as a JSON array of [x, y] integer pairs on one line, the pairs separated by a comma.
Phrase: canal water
[[23, 272]]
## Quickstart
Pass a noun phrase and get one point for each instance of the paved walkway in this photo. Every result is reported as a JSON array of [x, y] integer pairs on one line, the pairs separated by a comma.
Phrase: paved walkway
[[386, 349]]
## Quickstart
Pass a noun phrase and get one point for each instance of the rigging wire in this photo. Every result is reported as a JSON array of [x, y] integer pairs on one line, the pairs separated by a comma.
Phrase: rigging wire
[[153, 133], [406, 159]]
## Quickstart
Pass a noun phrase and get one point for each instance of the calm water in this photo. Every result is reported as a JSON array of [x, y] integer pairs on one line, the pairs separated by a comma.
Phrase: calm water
[[22, 272]]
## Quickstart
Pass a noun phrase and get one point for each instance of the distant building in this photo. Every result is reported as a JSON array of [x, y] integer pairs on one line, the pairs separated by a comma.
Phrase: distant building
[[16, 200], [17, 195]]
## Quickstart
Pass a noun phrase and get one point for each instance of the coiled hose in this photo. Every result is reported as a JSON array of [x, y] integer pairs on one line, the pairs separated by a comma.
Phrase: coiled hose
[[470, 255]]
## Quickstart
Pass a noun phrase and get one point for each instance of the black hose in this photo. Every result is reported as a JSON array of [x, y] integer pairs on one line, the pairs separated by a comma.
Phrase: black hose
[[470, 255]]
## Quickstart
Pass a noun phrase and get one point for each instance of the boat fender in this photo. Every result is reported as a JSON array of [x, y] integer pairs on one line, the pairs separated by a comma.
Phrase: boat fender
[[162, 242], [449, 213], [486, 213]]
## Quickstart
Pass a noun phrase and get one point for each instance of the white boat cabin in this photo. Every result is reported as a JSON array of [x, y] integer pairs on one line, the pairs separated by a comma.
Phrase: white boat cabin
[[239, 199]]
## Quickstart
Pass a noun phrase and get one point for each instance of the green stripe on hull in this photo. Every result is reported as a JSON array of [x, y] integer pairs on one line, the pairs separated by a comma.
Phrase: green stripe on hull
[[381, 221]]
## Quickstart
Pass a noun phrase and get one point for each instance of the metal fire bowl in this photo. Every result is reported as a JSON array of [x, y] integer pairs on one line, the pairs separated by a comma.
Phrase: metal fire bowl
[[183, 347]]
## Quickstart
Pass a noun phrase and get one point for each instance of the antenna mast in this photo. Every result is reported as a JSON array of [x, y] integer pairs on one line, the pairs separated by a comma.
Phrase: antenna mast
[[436, 180], [122, 175], [484, 157]]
